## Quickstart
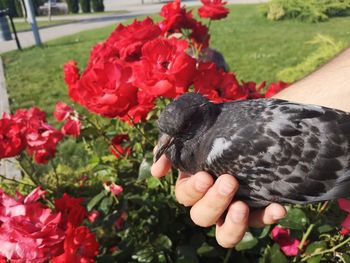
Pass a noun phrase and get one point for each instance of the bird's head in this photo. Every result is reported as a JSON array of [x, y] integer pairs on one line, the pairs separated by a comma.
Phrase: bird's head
[[182, 119]]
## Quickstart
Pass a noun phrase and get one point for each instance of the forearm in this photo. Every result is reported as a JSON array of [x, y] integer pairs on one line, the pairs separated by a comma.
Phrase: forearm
[[328, 86]]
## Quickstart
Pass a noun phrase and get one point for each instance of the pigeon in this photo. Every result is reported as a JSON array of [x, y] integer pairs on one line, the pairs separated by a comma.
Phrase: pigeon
[[279, 151]]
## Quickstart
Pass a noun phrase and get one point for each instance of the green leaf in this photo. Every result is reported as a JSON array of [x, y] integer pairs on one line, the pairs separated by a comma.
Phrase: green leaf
[[145, 169], [276, 256], [344, 257], [95, 200], [106, 204], [314, 247], [163, 242], [325, 229], [295, 219], [207, 250], [186, 254], [153, 182], [260, 233], [248, 242]]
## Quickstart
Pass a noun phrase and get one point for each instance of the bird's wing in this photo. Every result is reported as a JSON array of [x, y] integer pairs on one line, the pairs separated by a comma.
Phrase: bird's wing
[[282, 151]]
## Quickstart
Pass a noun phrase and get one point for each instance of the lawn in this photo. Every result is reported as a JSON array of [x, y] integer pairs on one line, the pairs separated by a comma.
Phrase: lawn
[[255, 48]]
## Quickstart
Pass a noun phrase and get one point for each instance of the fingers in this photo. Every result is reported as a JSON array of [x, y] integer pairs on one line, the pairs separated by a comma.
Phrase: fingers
[[206, 211], [267, 216], [161, 167], [191, 188], [232, 228]]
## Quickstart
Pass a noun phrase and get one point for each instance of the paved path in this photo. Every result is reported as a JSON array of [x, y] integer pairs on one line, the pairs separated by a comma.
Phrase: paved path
[[86, 22], [8, 167]]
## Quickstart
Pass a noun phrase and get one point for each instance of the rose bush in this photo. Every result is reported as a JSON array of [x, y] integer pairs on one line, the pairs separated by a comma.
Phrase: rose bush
[[106, 207]]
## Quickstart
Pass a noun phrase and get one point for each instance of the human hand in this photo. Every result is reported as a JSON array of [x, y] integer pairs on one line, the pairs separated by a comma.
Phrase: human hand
[[210, 200]]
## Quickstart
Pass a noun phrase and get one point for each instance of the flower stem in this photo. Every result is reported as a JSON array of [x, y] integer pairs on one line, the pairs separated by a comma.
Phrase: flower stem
[[305, 236], [139, 130], [228, 255], [331, 250], [15, 181]]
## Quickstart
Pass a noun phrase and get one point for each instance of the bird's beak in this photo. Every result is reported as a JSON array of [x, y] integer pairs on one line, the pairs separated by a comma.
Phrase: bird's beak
[[164, 142]]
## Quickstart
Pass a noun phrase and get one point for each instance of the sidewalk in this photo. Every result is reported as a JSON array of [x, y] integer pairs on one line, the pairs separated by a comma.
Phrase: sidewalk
[[134, 9], [8, 166]]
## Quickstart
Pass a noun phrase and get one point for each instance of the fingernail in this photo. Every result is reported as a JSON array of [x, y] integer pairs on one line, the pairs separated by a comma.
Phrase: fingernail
[[225, 188], [238, 216], [201, 185]]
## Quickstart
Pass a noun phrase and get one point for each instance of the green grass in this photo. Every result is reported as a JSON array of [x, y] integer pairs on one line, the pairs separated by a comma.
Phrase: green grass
[[255, 48], [23, 26]]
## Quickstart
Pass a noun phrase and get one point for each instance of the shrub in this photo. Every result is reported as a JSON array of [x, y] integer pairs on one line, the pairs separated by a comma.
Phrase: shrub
[[73, 6], [85, 6], [312, 10], [98, 6]]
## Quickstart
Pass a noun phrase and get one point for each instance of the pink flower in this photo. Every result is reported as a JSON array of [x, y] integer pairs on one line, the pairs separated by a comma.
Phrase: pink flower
[[116, 189], [288, 245], [93, 215], [344, 204], [113, 188], [29, 231]]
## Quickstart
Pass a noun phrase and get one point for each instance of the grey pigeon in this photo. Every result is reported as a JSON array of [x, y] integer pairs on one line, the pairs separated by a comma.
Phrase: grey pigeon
[[279, 151]]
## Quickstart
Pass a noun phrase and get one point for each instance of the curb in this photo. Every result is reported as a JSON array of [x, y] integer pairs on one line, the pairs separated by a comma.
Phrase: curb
[[8, 167]]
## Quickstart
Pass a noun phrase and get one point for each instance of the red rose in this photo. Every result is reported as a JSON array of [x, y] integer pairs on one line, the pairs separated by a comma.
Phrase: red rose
[[119, 223], [275, 88], [42, 141], [71, 127], [29, 231], [230, 88], [72, 211], [145, 103], [127, 41], [253, 91], [199, 35], [207, 81], [117, 149], [62, 111], [12, 142], [71, 72], [105, 89], [165, 69], [289, 245], [344, 204], [213, 9], [175, 17], [80, 246]]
